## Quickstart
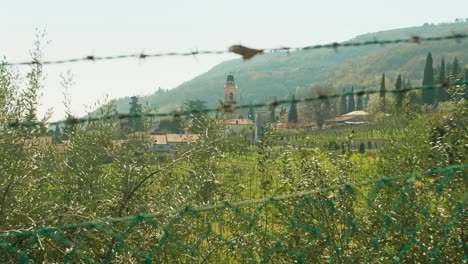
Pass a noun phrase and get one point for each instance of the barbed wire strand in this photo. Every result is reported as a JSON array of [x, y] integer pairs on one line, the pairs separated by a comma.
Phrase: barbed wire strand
[[335, 45], [227, 204], [232, 107]]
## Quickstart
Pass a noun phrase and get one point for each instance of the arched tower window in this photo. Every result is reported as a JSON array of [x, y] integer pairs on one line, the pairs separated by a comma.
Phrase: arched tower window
[[231, 97]]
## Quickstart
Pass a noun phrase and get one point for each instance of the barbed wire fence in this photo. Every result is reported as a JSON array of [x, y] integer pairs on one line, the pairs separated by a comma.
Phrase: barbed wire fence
[[231, 107], [415, 217], [246, 51]]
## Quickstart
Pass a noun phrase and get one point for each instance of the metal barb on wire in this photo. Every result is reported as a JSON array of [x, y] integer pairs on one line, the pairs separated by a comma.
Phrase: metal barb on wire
[[416, 39], [233, 107], [334, 45]]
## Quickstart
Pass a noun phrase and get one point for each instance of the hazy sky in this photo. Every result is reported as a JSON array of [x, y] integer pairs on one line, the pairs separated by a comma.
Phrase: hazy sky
[[98, 27]]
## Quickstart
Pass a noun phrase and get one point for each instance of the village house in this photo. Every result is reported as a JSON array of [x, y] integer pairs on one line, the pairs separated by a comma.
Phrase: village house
[[234, 125], [42, 142], [167, 142], [352, 118]]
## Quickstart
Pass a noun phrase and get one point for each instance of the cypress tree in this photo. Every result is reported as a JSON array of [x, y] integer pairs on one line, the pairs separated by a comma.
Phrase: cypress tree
[[466, 80], [69, 126], [398, 86], [404, 86], [428, 81], [362, 148], [57, 137], [448, 68], [292, 115], [382, 93], [442, 91], [359, 103], [351, 103], [366, 101], [272, 115], [455, 67], [343, 104], [135, 122], [408, 87], [273, 112], [442, 74]]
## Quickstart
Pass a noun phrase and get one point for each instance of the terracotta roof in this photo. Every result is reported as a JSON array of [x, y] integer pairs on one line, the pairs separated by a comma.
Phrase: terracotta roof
[[344, 118], [238, 122], [295, 125], [355, 123], [357, 113], [179, 138], [159, 139], [42, 141]]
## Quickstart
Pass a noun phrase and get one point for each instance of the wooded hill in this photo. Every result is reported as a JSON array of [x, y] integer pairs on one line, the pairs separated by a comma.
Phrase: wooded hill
[[278, 74]]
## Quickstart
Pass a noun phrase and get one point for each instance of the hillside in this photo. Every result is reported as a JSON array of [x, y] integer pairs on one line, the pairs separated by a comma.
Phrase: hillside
[[278, 74]]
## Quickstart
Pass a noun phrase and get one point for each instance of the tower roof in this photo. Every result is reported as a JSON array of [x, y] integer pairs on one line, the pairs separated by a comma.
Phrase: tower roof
[[230, 78]]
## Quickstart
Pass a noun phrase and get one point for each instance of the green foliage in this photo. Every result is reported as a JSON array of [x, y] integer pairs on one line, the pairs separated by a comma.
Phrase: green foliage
[[443, 95], [422, 147], [382, 99], [375, 104], [35, 78], [69, 128], [57, 136], [343, 104], [351, 103], [135, 120], [168, 126], [362, 148], [327, 205], [366, 102], [399, 95], [196, 117], [272, 114], [411, 218], [292, 114], [195, 108], [414, 98], [428, 95], [320, 110], [455, 70], [359, 103], [277, 75]]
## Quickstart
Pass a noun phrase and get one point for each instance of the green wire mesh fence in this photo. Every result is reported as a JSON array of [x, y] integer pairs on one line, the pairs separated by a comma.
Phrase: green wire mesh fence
[[414, 218]]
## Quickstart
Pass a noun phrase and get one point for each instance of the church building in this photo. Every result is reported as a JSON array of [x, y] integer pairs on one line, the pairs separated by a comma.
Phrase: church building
[[230, 101], [234, 124]]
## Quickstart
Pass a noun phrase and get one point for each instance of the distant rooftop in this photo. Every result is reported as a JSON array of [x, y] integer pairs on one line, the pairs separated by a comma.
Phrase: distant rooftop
[[182, 138], [238, 122], [357, 113]]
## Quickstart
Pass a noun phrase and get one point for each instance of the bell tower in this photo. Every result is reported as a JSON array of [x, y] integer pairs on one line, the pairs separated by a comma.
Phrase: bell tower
[[230, 97]]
